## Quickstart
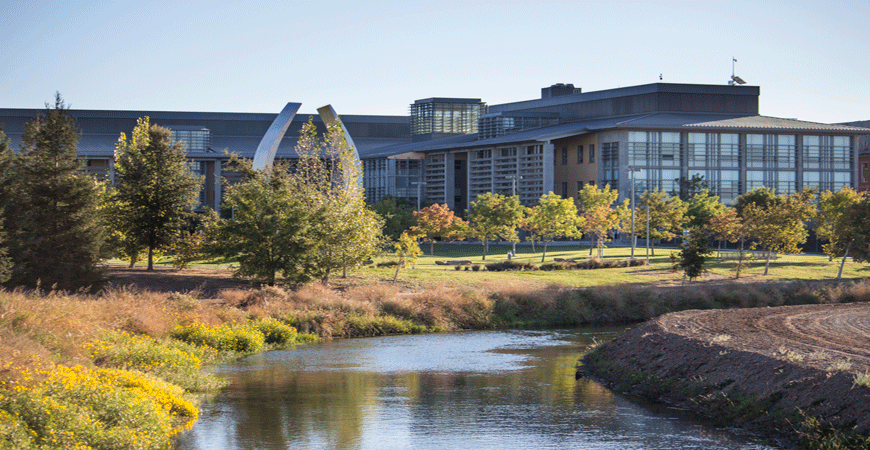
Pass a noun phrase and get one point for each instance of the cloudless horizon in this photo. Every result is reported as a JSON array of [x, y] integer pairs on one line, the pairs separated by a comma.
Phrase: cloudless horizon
[[809, 58]]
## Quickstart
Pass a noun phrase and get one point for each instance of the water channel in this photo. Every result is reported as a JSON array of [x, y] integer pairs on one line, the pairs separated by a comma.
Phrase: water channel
[[470, 390]]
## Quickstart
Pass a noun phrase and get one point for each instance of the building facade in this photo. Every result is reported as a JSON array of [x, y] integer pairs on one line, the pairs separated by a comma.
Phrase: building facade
[[451, 150]]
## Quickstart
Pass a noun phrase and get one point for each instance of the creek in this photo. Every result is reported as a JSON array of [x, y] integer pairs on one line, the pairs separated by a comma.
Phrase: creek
[[468, 390]]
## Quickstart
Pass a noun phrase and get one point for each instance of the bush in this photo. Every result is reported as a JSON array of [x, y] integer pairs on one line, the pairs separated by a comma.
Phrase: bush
[[80, 408], [244, 339], [276, 332], [509, 265]]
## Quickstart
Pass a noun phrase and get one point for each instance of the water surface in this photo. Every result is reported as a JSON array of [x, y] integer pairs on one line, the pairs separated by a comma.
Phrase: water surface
[[470, 390]]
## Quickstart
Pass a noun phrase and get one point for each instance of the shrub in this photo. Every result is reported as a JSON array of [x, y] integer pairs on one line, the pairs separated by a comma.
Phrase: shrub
[[81, 408], [244, 339], [276, 332], [509, 265], [475, 267]]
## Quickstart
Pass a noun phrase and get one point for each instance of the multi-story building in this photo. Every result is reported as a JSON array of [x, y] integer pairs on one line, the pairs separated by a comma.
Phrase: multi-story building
[[451, 150], [863, 156], [207, 136], [659, 133]]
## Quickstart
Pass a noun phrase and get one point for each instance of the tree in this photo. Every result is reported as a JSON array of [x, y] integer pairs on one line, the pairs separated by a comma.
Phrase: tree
[[438, 222], [553, 217], [856, 220], [398, 215], [762, 197], [693, 253], [841, 223], [267, 232], [495, 216], [328, 179], [55, 235], [156, 190], [7, 158], [781, 226], [689, 187], [701, 208], [598, 217], [728, 226], [666, 216], [407, 251]]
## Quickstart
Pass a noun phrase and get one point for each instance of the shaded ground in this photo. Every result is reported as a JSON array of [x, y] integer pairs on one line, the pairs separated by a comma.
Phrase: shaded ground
[[758, 367], [166, 279]]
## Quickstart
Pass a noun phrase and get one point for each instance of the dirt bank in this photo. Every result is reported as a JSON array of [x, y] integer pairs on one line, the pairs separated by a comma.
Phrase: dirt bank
[[769, 369]]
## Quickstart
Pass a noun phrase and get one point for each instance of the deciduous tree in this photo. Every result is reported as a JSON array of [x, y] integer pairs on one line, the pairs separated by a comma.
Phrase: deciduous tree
[[398, 215], [666, 216], [495, 216], [156, 190], [598, 216], [843, 223], [702, 207], [407, 251], [780, 227], [438, 222], [553, 217]]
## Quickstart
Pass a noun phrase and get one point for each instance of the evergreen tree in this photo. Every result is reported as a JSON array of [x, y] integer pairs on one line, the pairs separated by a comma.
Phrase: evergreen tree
[[693, 255], [6, 194], [156, 190], [54, 229]]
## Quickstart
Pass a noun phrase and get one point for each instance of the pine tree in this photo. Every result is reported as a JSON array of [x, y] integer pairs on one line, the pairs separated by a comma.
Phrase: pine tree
[[55, 235], [693, 255], [156, 189]]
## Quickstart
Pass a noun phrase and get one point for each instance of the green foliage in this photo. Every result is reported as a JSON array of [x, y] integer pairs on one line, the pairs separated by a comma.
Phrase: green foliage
[[398, 215], [156, 190], [407, 251], [49, 209], [693, 255], [344, 232], [267, 234], [666, 215], [82, 408], [830, 223], [553, 217], [703, 207], [780, 225], [242, 339], [857, 225], [598, 216], [495, 216], [509, 265], [275, 332]]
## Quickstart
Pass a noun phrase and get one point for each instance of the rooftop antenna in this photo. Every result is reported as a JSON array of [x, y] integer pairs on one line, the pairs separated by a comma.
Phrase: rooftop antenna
[[734, 78]]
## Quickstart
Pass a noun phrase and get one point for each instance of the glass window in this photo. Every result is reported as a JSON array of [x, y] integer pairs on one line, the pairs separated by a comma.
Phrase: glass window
[[591, 153], [564, 156], [579, 154]]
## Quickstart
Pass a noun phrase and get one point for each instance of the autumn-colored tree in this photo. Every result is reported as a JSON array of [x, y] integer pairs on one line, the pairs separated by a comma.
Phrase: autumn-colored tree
[[666, 216], [598, 216], [495, 216], [407, 251], [728, 226], [438, 222], [553, 217], [837, 224], [781, 226]]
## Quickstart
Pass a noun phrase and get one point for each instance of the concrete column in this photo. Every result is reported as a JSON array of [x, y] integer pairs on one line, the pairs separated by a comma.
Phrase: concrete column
[[549, 152]]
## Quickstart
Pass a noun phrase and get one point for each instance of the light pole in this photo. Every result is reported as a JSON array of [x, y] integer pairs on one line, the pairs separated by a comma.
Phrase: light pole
[[633, 206], [514, 179], [419, 184]]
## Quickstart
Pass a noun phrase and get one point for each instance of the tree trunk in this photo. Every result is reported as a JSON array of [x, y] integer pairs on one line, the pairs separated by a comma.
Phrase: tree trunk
[[533, 246], [150, 258], [132, 262], [398, 266], [344, 272], [545, 251], [767, 262], [432, 248], [739, 260], [843, 262], [485, 248]]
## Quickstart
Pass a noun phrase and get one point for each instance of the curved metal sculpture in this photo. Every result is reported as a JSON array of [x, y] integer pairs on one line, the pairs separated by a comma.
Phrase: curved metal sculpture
[[329, 117], [265, 154]]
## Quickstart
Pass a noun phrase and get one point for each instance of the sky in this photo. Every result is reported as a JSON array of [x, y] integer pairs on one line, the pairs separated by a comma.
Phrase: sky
[[811, 59]]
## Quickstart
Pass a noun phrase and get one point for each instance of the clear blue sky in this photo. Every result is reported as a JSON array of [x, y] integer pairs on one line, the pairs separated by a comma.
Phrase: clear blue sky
[[811, 59]]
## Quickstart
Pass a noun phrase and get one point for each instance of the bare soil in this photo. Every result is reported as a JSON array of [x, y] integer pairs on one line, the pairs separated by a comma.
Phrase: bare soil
[[206, 282], [764, 368]]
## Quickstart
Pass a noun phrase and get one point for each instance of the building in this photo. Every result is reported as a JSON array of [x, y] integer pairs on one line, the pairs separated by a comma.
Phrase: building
[[451, 150], [207, 136], [863, 156], [660, 132]]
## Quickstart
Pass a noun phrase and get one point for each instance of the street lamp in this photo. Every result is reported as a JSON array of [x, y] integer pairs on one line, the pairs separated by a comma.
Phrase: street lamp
[[633, 206], [514, 179], [419, 184]]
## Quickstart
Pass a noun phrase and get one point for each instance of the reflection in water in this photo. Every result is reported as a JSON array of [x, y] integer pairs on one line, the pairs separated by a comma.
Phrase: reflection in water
[[481, 390]]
